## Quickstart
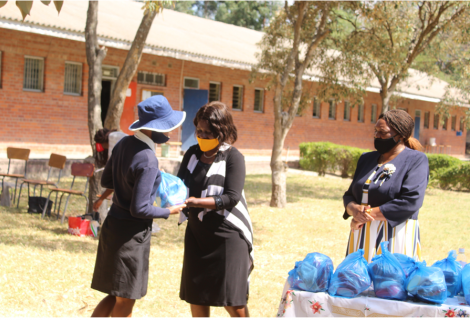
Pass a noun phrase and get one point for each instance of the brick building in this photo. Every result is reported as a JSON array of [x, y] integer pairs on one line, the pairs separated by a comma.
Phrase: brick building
[[43, 83]]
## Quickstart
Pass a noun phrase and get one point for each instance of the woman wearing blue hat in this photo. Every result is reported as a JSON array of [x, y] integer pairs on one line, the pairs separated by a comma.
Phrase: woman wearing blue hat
[[122, 261]]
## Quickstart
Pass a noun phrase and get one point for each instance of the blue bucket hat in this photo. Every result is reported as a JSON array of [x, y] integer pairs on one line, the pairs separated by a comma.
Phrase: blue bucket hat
[[156, 114]]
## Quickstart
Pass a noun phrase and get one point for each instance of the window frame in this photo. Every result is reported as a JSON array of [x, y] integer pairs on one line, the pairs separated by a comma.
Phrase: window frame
[[219, 84], [153, 83], [159, 92], [262, 101], [445, 120], [331, 105], [453, 123], [1, 56], [360, 107], [462, 126], [191, 78], [41, 76], [107, 66], [79, 80], [435, 124], [316, 100], [427, 116], [347, 106], [240, 96], [373, 107]]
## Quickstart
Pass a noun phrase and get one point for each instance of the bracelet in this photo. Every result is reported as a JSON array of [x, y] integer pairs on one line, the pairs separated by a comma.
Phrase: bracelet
[[218, 203]]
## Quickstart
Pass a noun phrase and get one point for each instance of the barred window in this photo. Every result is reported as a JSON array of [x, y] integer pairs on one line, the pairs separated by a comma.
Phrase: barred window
[[237, 98], [73, 78], [191, 83], [373, 113], [259, 100], [453, 123], [33, 74], [360, 113], [316, 108], [0, 69], [462, 123], [214, 91], [436, 121], [426, 119], [153, 79], [444, 124], [332, 110], [347, 111]]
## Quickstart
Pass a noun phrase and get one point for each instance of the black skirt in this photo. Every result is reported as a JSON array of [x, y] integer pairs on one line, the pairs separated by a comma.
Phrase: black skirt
[[122, 261], [216, 263]]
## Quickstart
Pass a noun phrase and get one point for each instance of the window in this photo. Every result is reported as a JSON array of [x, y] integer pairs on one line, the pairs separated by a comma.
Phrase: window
[[191, 83], [33, 74], [316, 108], [110, 72], [436, 121], [237, 98], [149, 93], [332, 110], [444, 123], [154, 79], [259, 100], [0, 69], [73, 78], [373, 113], [453, 123], [214, 91], [461, 123], [426, 119], [360, 112], [404, 109], [347, 111]]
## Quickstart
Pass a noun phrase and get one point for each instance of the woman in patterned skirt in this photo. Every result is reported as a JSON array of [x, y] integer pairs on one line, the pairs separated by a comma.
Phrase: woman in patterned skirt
[[387, 190], [218, 244]]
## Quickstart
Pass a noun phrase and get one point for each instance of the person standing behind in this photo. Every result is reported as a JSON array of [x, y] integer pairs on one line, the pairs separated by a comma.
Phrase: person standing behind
[[218, 244], [122, 260]]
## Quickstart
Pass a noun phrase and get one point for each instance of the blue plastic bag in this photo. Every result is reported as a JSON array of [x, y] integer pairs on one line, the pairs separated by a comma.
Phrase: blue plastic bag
[[407, 263], [452, 272], [388, 276], [428, 284], [172, 190], [312, 274], [351, 276], [466, 282]]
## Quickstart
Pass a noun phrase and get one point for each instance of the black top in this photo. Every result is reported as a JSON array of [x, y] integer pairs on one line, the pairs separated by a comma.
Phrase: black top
[[132, 172], [399, 197], [234, 176]]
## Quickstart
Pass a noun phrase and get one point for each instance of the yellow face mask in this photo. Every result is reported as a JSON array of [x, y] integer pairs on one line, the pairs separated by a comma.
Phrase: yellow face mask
[[207, 144]]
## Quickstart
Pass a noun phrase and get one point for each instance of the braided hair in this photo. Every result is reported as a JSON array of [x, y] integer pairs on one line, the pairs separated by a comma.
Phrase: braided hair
[[101, 136], [403, 124]]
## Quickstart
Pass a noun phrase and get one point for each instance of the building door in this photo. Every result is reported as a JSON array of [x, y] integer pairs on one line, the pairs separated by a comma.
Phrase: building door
[[417, 123], [193, 100], [106, 86]]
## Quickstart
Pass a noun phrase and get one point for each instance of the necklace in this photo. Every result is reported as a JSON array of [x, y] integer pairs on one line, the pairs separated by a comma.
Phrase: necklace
[[204, 155]]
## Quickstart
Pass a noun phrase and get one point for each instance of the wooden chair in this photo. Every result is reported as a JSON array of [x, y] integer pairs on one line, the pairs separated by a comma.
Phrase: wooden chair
[[78, 170], [55, 161], [18, 154]]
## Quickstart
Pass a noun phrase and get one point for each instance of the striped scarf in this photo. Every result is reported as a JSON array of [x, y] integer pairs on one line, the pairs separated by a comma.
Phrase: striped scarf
[[238, 217]]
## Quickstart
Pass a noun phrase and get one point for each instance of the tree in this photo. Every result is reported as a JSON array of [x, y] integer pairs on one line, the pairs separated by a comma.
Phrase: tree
[[288, 49], [25, 6], [388, 37]]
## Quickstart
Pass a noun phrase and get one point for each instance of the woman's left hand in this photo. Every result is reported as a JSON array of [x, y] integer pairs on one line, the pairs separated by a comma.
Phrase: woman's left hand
[[355, 225]]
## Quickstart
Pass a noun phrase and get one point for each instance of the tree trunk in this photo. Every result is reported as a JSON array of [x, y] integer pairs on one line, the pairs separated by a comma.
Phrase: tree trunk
[[113, 116], [278, 169], [95, 56], [385, 95]]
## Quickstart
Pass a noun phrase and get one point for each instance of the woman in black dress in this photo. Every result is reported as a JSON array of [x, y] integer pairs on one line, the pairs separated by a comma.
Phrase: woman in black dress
[[218, 244]]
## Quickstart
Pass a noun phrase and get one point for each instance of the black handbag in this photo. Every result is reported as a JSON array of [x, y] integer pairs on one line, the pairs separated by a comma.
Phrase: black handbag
[[36, 205]]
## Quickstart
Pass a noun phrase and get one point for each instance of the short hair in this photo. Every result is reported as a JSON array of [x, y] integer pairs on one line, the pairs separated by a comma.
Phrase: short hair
[[220, 121], [102, 135], [403, 124]]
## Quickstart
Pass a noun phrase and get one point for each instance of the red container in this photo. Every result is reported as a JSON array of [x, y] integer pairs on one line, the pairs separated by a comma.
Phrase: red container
[[79, 227]]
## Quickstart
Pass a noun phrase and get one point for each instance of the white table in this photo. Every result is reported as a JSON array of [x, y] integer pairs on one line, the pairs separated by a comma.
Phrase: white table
[[308, 304]]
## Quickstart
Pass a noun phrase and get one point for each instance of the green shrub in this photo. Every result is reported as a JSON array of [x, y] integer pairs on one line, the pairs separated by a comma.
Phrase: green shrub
[[437, 162], [456, 177], [329, 157]]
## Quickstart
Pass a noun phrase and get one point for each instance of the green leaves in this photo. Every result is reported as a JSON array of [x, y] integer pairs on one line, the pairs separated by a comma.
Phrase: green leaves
[[2, 3], [25, 6], [58, 5]]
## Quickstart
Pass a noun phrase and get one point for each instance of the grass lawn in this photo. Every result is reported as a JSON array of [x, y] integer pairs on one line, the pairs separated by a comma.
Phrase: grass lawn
[[47, 273]]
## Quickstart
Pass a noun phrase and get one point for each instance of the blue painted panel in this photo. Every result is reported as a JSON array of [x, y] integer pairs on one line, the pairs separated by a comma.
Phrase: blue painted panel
[[193, 101]]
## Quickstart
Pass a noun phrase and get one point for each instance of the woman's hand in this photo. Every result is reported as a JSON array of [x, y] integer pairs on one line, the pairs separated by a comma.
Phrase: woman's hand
[[355, 225], [177, 209], [97, 204], [359, 212], [192, 202]]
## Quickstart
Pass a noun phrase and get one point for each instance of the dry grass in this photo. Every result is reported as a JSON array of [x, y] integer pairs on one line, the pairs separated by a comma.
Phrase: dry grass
[[46, 272]]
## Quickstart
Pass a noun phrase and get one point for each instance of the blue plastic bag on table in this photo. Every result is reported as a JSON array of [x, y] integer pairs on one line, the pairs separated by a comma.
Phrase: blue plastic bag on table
[[407, 263], [172, 190], [312, 274], [387, 275], [351, 276], [452, 272], [466, 282], [427, 284]]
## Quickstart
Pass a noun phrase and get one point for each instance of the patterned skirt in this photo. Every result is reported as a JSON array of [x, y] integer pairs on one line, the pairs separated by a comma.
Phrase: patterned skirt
[[403, 238]]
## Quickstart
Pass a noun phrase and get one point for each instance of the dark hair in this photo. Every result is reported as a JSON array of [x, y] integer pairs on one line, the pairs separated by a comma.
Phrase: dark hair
[[403, 124], [220, 121], [102, 136]]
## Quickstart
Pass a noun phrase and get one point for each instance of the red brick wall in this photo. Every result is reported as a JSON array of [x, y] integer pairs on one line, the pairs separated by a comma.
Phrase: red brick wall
[[52, 121]]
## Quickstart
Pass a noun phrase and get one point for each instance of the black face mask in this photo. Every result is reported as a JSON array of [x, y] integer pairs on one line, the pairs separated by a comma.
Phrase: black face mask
[[159, 137], [385, 145]]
